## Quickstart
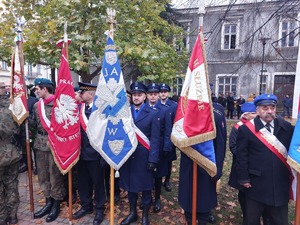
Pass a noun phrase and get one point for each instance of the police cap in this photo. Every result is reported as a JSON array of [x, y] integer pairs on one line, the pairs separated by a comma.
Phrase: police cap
[[153, 88], [137, 87], [248, 107], [87, 86], [266, 99], [164, 87]]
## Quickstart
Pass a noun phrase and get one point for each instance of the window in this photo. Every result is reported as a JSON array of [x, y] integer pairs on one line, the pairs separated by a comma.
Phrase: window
[[230, 36], [227, 83], [29, 70], [288, 33], [4, 65], [39, 69]]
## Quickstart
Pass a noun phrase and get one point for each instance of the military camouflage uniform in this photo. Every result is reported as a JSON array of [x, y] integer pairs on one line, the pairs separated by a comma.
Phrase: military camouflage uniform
[[9, 157], [50, 178]]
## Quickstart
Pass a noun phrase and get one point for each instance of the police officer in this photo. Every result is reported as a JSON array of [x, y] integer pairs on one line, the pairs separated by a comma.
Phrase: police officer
[[169, 146], [136, 175], [206, 185], [90, 165], [10, 154], [166, 124], [50, 178]]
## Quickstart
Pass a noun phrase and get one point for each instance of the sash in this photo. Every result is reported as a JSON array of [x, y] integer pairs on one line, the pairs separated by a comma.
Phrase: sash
[[82, 117], [142, 138], [275, 146], [237, 125], [43, 117]]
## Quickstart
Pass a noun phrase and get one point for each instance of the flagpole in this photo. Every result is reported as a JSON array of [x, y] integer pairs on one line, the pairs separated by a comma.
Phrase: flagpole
[[111, 13], [19, 23], [70, 185]]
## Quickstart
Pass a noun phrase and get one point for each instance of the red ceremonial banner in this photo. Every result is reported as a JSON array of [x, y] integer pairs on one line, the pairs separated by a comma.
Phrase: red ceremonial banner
[[64, 136]]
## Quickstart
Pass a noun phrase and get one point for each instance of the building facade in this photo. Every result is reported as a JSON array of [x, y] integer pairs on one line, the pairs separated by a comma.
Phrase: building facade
[[251, 48]]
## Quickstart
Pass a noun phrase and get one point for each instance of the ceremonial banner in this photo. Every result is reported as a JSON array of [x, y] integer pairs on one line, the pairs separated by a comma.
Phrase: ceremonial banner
[[294, 151], [65, 136], [110, 127], [194, 126], [18, 96]]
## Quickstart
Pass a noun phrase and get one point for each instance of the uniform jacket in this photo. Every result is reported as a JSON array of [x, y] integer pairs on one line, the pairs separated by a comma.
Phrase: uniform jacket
[[165, 124], [87, 151], [168, 145], [134, 175], [269, 177], [9, 153], [206, 185], [41, 138]]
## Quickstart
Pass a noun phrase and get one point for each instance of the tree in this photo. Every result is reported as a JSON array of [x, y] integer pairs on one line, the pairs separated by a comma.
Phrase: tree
[[143, 52]]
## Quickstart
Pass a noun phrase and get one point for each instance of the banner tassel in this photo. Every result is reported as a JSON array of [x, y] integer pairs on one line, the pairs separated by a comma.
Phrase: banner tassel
[[117, 174]]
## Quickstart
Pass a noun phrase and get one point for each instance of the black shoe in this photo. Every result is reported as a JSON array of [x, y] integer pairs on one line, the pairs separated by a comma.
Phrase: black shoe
[[45, 210], [98, 218], [167, 186], [211, 219], [22, 167], [157, 205], [55, 210], [132, 217], [81, 213]]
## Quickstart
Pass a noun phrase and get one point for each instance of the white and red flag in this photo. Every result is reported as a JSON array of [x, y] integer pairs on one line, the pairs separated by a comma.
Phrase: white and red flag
[[64, 136], [18, 94], [194, 126]]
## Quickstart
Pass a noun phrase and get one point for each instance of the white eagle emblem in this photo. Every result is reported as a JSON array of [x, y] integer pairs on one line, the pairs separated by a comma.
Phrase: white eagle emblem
[[64, 112], [17, 83]]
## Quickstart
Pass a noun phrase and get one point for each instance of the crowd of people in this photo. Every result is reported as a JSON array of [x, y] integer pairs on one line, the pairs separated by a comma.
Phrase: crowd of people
[[258, 142]]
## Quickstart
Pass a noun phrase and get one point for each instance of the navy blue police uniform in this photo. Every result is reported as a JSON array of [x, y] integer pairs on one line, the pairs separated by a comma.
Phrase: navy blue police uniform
[[206, 185], [90, 171], [136, 175], [168, 145]]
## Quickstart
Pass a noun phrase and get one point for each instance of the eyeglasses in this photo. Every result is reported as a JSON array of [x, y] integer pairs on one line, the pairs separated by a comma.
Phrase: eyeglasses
[[2, 87]]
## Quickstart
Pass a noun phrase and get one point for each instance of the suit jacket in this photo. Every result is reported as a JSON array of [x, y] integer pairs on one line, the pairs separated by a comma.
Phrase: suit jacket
[[269, 177], [134, 175]]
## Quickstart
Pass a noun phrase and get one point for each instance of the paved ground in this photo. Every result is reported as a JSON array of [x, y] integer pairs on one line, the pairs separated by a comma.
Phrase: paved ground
[[25, 216]]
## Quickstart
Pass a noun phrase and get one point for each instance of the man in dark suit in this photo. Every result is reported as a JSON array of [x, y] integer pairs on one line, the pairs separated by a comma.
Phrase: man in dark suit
[[262, 145], [206, 185], [136, 175], [90, 165]]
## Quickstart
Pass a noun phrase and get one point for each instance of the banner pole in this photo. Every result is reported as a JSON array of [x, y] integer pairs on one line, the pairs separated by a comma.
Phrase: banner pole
[[112, 195], [194, 199], [297, 207]]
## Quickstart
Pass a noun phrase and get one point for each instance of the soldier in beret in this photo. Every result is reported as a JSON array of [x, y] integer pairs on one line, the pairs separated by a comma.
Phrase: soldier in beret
[[50, 178], [261, 148], [10, 154], [136, 175], [91, 165]]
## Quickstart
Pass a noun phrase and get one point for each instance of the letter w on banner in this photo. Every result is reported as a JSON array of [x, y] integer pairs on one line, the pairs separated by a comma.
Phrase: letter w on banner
[[293, 158], [194, 126], [110, 128], [18, 96], [64, 136]]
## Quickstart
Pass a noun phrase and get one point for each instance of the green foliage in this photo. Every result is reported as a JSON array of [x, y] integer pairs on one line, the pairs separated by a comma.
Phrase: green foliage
[[144, 40]]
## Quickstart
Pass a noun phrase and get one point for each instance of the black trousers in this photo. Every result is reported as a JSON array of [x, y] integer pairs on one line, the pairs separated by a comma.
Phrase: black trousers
[[278, 215], [91, 178]]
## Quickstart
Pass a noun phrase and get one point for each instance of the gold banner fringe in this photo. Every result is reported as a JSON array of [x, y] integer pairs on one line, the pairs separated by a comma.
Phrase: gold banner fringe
[[188, 141], [22, 119], [58, 165], [293, 164], [201, 160]]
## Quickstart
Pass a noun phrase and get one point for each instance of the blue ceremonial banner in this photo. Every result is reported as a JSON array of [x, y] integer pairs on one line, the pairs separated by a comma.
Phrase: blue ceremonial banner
[[294, 151], [110, 127]]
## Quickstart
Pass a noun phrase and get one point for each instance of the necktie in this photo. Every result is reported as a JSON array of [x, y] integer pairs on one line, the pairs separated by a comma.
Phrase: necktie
[[136, 110], [268, 127]]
